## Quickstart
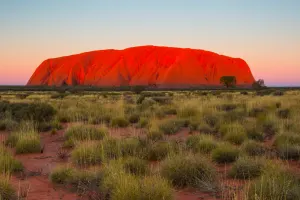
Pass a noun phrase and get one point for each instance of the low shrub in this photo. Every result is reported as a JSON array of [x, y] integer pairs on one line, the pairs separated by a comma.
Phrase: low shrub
[[171, 126], [253, 148], [84, 132], [7, 162], [143, 123], [283, 113], [119, 122], [62, 174], [236, 137], [30, 111], [28, 142], [246, 168], [278, 93], [225, 153], [8, 125], [227, 107], [275, 184], [119, 185], [157, 151], [130, 146], [190, 171], [135, 166], [201, 143], [7, 192], [87, 153], [111, 148], [155, 135], [134, 118]]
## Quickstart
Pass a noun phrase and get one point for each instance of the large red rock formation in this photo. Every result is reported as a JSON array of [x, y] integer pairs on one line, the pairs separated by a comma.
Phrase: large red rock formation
[[145, 65]]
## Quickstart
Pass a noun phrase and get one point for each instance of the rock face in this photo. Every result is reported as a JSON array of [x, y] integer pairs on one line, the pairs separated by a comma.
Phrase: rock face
[[144, 65]]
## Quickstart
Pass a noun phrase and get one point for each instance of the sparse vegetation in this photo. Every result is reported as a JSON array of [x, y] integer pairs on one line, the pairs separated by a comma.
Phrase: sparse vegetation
[[145, 145]]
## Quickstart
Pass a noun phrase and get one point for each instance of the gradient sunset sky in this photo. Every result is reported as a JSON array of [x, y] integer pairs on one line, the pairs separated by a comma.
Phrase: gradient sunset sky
[[265, 33]]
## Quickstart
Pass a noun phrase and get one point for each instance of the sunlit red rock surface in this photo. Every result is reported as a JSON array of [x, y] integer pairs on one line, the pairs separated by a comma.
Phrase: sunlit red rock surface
[[144, 65]]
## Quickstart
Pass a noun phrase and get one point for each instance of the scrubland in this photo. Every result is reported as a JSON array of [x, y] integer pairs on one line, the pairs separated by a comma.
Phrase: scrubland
[[166, 145]]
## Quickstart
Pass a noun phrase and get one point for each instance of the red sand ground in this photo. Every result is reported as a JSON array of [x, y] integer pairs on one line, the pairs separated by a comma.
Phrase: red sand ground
[[144, 65]]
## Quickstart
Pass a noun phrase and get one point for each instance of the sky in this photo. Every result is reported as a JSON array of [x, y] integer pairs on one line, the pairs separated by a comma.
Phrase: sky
[[266, 34]]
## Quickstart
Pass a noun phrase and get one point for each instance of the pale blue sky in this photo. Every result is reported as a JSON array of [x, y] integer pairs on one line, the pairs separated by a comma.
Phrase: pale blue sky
[[264, 33]]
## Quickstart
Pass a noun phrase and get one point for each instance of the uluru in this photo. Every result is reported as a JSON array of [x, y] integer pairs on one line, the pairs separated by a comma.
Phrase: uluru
[[143, 65]]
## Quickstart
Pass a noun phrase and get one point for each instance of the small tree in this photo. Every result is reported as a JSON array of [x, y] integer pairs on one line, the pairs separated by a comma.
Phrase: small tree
[[260, 84], [228, 81]]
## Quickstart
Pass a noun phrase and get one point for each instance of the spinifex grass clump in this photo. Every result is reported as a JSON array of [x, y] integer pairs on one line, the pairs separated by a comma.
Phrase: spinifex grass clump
[[225, 153], [62, 174], [171, 126], [275, 184], [234, 133], [84, 132], [119, 185], [246, 168], [253, 148], [7, 192], [288, 145], [88, 153], [119, 122], [190, 171], [7, 162], [201, 143], [135, 166], [25, 140], [156, 151], [130, 146]]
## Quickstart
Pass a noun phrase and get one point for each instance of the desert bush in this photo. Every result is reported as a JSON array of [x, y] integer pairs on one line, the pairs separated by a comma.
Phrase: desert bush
[[190, 171], [119, 122], [7, 192], [28, 142], [171, 126], [62, 174], [58, 95], [278, 93], [169, 111], [227, 107], [211, 119], [7, 162], [135, 166], [201, 143], [111, 148], [134, 118], [235, 137], [22, 96], [130, 146], [162, 100], [244, 93], [30, 111], [269, 128], [84, 132], [187, 111], [155, 135], [233, 132], [283, 113], [143, 122], [157, 151], [87, 153], [225, 153], [8, 125], [255, 112], [253, 148], [246, 168], [275, 184], [118, 185], [255, 133]]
